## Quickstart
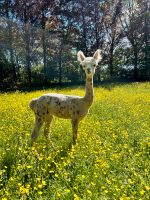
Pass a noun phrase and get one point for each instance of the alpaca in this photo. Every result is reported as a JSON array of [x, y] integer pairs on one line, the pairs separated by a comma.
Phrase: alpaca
[[66, 106]]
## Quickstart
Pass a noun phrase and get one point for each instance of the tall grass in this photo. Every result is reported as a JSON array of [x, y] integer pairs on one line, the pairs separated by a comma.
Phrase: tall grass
[[109, 161]]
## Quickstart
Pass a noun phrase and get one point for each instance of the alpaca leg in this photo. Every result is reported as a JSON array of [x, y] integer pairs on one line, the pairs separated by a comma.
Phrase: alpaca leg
[[75, 123], [36, 129], [48, 121]]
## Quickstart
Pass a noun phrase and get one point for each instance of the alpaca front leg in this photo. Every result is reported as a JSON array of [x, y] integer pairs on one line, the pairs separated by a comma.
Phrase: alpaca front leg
[[36, 129], [48, 121], [75, 123]]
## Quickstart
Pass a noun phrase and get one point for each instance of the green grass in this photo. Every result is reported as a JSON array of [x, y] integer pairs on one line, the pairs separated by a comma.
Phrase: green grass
[[109, 161]]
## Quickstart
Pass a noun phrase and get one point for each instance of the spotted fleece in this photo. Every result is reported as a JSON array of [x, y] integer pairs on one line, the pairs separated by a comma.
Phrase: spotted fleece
[[65, 106]]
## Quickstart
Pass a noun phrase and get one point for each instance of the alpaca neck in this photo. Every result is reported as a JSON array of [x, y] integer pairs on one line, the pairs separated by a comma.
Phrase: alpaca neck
[[89, 93]]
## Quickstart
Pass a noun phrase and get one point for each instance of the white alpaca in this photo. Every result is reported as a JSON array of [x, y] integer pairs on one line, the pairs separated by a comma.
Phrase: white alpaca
[[66, 106]]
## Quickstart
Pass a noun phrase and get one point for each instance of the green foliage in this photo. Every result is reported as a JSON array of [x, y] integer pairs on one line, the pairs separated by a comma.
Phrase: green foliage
[[5, 70], [49, 36], [109, 161]]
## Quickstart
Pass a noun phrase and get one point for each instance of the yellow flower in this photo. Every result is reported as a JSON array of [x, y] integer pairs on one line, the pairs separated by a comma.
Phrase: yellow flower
[[29, 167], [89, 192], [35, 188], [44, 182], [41, 158], [106, 191], [58, 194], [125, 198], [40, 186], [56, 175], [67, 190], [11, 179], [147, 187], [48, 158], [40, 192], [83, 176], [76, 197], [130, 181], [33, 148], [24, 190], [93, 184], [142, 192], [108, 181]]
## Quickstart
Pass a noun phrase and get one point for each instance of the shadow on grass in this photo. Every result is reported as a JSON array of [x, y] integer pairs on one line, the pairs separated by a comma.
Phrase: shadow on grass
[[64, 152], [108, 84], [36, 87]]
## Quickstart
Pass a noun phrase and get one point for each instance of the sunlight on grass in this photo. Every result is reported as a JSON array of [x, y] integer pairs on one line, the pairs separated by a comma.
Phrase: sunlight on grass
[[109, 161]]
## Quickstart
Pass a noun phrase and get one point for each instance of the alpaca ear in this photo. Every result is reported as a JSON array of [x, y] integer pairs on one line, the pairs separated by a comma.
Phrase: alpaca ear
[[97, 55], [80, 56]]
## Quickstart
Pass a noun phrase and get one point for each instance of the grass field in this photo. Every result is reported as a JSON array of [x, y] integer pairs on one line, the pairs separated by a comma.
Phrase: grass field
[[109, 161]]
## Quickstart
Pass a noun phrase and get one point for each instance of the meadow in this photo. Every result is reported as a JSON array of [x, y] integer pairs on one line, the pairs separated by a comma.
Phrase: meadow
[[109, 161]]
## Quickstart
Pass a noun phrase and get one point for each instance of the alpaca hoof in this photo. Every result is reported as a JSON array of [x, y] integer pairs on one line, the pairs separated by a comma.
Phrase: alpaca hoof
[[74, 142]]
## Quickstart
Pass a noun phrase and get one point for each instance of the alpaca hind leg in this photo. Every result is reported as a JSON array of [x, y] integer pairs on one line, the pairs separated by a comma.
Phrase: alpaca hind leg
[[75, 123], [48, 121], [36, 129]]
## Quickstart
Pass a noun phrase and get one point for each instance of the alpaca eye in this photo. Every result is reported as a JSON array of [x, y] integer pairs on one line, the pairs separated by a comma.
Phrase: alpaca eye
[[94, 65]]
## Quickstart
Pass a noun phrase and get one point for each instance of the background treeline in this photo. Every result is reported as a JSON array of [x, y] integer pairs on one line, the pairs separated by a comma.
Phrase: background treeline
[[39, 40]]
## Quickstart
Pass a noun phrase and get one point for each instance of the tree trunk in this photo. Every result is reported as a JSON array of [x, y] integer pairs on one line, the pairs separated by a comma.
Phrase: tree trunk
[[17, 65], [111, 70], [147, 70], [10, 39], [10, 36], [84, 35], [44, 57], [44, 48], [135, 64], [27, 54], [1, 75], [111, 65], [28, 69], [96, 27], [13, 65], [147, 48], [60, 66]]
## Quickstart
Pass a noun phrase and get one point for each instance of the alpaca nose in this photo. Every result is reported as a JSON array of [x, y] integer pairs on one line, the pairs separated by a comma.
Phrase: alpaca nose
[[88, 70]]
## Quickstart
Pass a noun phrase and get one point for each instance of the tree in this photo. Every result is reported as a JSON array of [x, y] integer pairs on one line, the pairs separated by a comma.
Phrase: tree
[[112, 29], [46, 21], [97, 34], [24, 12], [132, 24], [7, 11], [145, 60], [65, 13]]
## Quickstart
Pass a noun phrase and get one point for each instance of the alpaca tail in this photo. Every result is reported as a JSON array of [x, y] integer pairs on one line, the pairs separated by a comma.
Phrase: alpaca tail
[[33, 103]]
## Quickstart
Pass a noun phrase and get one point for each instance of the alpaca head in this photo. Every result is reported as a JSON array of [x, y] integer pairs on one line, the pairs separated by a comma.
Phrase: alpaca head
[[89, 63]]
